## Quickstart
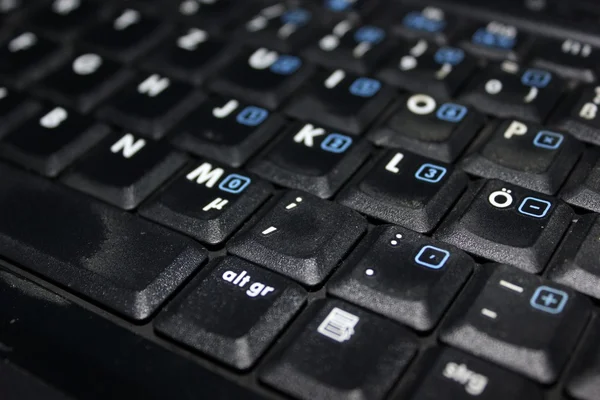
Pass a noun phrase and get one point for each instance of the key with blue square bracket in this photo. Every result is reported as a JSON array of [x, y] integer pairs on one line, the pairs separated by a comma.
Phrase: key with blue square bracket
[[525, 154], [405, 189], [519, 321], [313, 159], [341, 100]]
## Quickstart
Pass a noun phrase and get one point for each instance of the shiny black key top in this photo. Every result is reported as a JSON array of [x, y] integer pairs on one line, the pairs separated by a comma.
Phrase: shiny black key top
[[116, 259], [226, 130], [262, 76], [404, 276], [524, 154], [302, 237], [233, 314], [519, 321], [312, 159], [64, 18], [430, 127], [341, 352], [494, 40], [208, 202], [429, 22], [217, 15], [405, 189], [421, 66], [584, 379], [83, 81], [507, 224], [579, 114], [568, 58], [151, 105], [583, 187], [14, 109], [123, 169], [506, 91], [52, 140], [452, 374], [336, 9], [341, 100]]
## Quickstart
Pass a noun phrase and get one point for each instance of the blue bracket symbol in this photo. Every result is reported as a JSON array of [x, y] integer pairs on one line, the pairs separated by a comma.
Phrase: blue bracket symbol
[[449, 55], [370, 34], [417, 21], [252, 116], [336, 143], [536, 78]]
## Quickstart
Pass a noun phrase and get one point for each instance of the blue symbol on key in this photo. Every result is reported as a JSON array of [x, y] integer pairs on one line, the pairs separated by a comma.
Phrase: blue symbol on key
[[432, 257], [417, 21], [252, 116], [369, 34], [483, 37], [365, 87], [534, 207], [549, 300], [451, 112], [336, 143], [431, 173], [338, 5], [536, 78], [234, 183], [548, 140], [286, 65], [296, 17], [449, 55]]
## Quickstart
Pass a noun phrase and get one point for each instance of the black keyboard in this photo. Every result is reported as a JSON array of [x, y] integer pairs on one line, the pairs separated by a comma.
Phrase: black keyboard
[[320, 199]]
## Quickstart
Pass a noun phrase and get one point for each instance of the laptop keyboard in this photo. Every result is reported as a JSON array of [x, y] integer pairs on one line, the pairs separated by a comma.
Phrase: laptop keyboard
[[313, 200]]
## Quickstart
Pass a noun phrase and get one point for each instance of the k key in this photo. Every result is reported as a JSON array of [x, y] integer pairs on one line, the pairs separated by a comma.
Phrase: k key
[[124, 169]]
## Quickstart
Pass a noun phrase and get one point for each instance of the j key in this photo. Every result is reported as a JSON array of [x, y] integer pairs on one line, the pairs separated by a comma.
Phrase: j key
[[84, 81], [404, 276], [355, 47], [234, 314], [191, 55], [508, 92], [452, 374], [65, 18], [312, 159], [38, 310], [405, 189], [568, 58], [583, 187], [123, 170], [344, 352], [112, 257], [125, 35], [208, 202], [262, 76], [302, 237], [228, 131], [495, 40], [524, 154], [217, 15], [14, 109], [425, 126], [51, 140], [488, 321], [507, 224], [341, 100], [579, 115], [27, 56], [151, 105], [423, 67], [431, 23], [584, 380]]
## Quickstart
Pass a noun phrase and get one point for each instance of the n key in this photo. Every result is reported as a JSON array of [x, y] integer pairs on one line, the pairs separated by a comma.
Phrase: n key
[[124, 170]]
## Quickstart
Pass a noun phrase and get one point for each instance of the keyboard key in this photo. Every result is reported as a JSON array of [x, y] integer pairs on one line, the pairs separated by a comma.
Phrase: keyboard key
[[403, 276], [109, 256], [342, 101], [83, 82], [344, 352], [216, 15], [584, 379], [151, 105], [428, 22], [495, 40], [423, 67], [302, 237], [583, 187], [63, 351], [335, 9], [64, 18], [424, 125], [226, 130], [262, 76], [233, 314], [507, 224], [579, 114], [312, 159], [448, 373], [125, 35], [123, 169], [488, 322], [405, 189], [15, 108], [568, 58], [52, 140], [208, 202], [352, 46], [524, 154], [508, 92]]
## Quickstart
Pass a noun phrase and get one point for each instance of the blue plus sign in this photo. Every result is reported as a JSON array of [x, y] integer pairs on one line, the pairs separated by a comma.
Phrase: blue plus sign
[[549, 299]]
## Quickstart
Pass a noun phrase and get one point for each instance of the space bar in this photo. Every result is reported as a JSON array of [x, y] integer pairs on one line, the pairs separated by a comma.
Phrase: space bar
[[103, 254]]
